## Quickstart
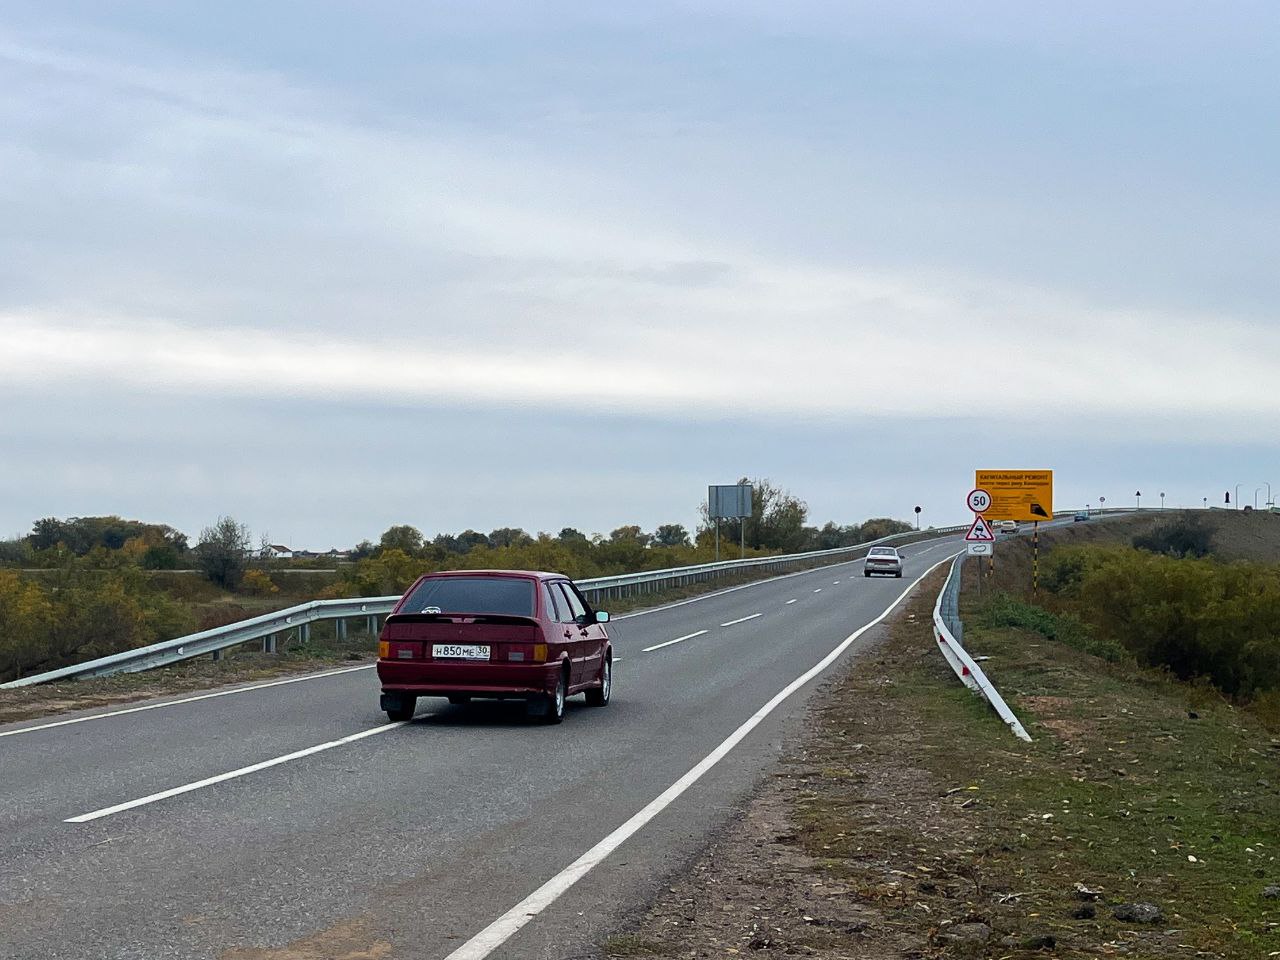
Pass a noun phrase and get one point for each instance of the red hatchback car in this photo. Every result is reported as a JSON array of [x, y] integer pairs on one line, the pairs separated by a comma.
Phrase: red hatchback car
[[494, 633]]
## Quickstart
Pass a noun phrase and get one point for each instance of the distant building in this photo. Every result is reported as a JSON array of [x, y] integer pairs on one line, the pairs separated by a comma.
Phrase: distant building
[[277, 551]]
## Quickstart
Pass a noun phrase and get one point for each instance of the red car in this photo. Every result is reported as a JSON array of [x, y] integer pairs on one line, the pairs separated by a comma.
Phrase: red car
[[494, 633]]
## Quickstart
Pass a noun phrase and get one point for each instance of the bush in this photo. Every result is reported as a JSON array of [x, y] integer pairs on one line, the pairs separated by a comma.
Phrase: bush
[[1007, 611], [84, 614], [258, 583], [1195, 617], [223, 552], [1182, 538]]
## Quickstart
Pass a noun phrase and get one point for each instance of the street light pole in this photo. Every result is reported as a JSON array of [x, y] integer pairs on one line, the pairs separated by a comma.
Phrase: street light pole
[[1255, 497], [1238, 486]]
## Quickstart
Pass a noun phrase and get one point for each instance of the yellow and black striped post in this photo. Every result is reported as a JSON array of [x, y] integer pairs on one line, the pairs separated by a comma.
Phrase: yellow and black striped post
[[1035, 559]]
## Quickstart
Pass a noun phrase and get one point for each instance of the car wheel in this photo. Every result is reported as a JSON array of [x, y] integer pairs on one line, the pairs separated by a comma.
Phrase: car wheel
[[600, 696], [549, 708], [867, 574], [400, 709], [458, 699], [898, 574]]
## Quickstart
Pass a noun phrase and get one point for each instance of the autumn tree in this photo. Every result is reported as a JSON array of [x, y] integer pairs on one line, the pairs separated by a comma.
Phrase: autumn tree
[[405, 538], [223, 552]]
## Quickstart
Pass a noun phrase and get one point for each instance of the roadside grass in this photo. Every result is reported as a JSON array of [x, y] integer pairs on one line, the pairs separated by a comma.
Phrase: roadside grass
[[1137, 787]]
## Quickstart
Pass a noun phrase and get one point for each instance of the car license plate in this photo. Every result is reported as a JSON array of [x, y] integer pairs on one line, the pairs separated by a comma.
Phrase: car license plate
[[460, 651]]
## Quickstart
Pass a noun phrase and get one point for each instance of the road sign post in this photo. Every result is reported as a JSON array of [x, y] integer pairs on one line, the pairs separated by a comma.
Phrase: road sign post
[[1035, 559]]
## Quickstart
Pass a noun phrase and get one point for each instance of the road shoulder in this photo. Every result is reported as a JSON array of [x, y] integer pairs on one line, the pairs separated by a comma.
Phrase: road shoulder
[[907, 822]]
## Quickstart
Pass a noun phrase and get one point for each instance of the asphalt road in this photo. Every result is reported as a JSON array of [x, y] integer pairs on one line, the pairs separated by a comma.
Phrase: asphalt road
[[411, 839]]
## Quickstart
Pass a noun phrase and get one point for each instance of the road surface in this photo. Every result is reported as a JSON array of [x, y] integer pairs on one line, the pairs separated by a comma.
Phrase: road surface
[[291, 820]]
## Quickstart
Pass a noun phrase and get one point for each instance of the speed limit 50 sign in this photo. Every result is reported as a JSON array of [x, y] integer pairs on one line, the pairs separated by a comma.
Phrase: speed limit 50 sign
[[979, 500]]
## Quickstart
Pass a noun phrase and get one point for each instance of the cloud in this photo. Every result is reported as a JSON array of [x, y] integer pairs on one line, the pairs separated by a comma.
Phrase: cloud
[[192, 228]]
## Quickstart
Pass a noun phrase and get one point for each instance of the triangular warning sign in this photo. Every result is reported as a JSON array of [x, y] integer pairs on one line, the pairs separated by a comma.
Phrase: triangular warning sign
[[980, 532]]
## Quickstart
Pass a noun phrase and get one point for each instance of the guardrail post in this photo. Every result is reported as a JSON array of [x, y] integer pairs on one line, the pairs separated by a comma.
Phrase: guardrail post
[[217, 655], [269, 643], [371, 624], [340, 628], [304, 634]]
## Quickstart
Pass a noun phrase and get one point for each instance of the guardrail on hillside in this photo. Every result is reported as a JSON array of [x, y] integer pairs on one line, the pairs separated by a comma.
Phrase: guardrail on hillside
[[948, 630], [267, 627]]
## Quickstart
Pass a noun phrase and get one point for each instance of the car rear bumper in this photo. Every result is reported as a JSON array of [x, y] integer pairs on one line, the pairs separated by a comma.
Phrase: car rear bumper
[[883, 568], [434, 678]]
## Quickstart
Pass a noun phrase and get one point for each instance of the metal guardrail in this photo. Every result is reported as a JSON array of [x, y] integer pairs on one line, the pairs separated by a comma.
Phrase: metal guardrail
[[948, 630], [268, 627]]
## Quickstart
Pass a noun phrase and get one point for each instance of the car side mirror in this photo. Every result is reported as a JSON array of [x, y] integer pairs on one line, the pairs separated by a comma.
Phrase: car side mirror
[[602, 616]]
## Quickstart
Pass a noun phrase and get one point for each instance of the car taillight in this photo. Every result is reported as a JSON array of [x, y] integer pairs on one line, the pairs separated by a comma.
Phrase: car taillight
[[384, 649], [539, 653]]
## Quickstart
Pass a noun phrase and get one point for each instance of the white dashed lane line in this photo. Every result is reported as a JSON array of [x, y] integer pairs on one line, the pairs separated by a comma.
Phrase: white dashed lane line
[[819, 590], [792, 600], [742, 620], [667, 643]]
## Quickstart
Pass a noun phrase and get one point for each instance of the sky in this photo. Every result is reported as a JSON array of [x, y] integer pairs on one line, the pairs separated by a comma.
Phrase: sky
[[327, 267]]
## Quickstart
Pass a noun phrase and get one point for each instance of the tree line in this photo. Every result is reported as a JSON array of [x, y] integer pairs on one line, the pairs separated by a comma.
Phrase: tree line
[[96, 596]]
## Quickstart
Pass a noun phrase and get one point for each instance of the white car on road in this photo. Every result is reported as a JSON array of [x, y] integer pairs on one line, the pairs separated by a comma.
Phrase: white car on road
[[883, 560]]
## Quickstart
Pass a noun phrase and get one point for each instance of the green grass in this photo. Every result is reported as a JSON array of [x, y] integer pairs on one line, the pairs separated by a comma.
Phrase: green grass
[[1130, 777], [913, 793]]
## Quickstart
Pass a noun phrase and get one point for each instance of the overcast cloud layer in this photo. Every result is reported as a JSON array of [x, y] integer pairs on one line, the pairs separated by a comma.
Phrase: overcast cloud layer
[[567, 266]]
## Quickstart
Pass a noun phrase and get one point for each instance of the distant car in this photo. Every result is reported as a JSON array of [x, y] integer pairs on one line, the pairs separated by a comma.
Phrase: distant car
[[882, 560], [1080, 517], [501, 634], [1007, 526]]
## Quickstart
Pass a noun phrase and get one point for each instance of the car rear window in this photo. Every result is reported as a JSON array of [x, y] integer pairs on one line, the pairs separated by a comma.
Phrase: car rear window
[[509, 596], [883, 552]]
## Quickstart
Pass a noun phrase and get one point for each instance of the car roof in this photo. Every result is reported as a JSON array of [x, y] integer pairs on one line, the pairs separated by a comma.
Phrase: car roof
[[524, 574]]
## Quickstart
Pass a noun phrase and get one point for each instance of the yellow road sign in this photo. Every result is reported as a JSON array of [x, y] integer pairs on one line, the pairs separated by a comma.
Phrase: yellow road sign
[[1024, 495]]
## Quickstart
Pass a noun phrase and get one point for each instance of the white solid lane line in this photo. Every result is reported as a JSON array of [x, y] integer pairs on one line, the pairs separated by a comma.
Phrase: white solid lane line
[[231, 775], [667, 643], [174, 703], [506, 926], [792, 600], [742, 620]]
